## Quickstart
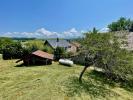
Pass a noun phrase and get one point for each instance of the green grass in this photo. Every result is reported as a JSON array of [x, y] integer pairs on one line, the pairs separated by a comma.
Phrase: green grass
[[56, 82], [0, 56]]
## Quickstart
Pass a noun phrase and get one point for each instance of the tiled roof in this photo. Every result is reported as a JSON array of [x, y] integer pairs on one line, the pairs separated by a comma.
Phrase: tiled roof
[[43, 54], [60, 43]]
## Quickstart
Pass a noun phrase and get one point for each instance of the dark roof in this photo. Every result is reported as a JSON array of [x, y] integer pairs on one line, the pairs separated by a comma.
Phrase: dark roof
[[60, 43], [42, 54]]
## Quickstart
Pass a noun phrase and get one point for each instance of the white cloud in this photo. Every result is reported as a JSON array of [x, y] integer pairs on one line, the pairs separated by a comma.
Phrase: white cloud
[[43, 33], [104, 30], [73, 30], [72, 33]]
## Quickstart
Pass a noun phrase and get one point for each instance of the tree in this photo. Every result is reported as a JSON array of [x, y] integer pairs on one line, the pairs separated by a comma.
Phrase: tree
[[12, 51], [121, 24], [94, 30], [131, 29], [3, 42], [59, 53], [103, 51]]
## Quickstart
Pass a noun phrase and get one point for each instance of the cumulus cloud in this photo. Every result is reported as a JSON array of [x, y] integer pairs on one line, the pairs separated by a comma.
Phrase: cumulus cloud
[[43, 33], [104, 30], [72, 33]]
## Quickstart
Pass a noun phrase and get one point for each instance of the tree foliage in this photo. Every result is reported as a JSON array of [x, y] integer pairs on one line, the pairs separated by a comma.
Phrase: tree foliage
[[12, 51], [105, 50], [121, 24], [34, 44], [59, 53], [48, 49], [3, 42]]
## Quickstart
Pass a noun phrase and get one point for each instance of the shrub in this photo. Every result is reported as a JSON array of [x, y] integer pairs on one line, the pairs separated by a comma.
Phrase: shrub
[[12, 51], [59, 53], [48, 49]]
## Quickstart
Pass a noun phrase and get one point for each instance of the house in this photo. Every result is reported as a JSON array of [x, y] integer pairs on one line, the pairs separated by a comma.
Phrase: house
[[37, 58], [74, 47], [68, 46]]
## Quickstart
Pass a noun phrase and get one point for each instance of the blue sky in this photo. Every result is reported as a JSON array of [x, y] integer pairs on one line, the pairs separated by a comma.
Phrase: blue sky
[[37, 18]]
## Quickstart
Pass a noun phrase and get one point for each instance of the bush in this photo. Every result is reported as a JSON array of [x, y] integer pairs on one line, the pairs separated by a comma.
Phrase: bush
[[79, 59], [48, 49], [33, 45], [3, 42], [59, 53], [12, 51]]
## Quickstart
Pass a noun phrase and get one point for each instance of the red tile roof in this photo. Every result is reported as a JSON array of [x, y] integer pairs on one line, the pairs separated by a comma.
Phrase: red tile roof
[[43, 54]]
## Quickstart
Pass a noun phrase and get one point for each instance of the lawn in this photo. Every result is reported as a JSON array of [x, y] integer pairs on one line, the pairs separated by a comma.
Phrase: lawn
[[0, 56], [56, 82]]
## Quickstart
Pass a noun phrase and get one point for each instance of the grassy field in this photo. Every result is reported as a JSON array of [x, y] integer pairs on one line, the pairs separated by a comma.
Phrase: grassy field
[[56, 82], [0, 56]]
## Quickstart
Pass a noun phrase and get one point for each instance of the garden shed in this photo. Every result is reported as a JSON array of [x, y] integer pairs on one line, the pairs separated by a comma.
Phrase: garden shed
[[37, 58]]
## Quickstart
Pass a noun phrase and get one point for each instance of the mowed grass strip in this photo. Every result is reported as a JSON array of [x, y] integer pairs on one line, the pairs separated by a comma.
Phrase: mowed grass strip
[[56, 82]]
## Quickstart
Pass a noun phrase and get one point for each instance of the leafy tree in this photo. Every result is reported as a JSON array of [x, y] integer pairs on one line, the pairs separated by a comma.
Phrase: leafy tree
[[121, 24], [103, 51], [59, 53], [3, 42]]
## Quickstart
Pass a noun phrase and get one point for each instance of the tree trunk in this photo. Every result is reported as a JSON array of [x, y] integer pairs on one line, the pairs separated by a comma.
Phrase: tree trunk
[[81, 74]]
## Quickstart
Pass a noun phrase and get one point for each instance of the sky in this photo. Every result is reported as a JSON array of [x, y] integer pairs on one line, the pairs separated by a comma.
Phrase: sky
[[59, 18]]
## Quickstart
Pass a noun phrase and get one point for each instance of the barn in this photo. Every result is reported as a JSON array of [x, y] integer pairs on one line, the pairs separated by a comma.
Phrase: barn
[[37, 58]]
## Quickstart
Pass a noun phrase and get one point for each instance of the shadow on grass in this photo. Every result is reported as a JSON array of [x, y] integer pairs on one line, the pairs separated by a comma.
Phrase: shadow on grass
[[101, 77], [127, 85], [95, 84], [65, 65], [94, 90], [22, 65]]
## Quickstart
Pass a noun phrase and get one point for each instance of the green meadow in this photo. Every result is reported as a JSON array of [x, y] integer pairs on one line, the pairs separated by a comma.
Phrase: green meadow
[[57, 82]]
